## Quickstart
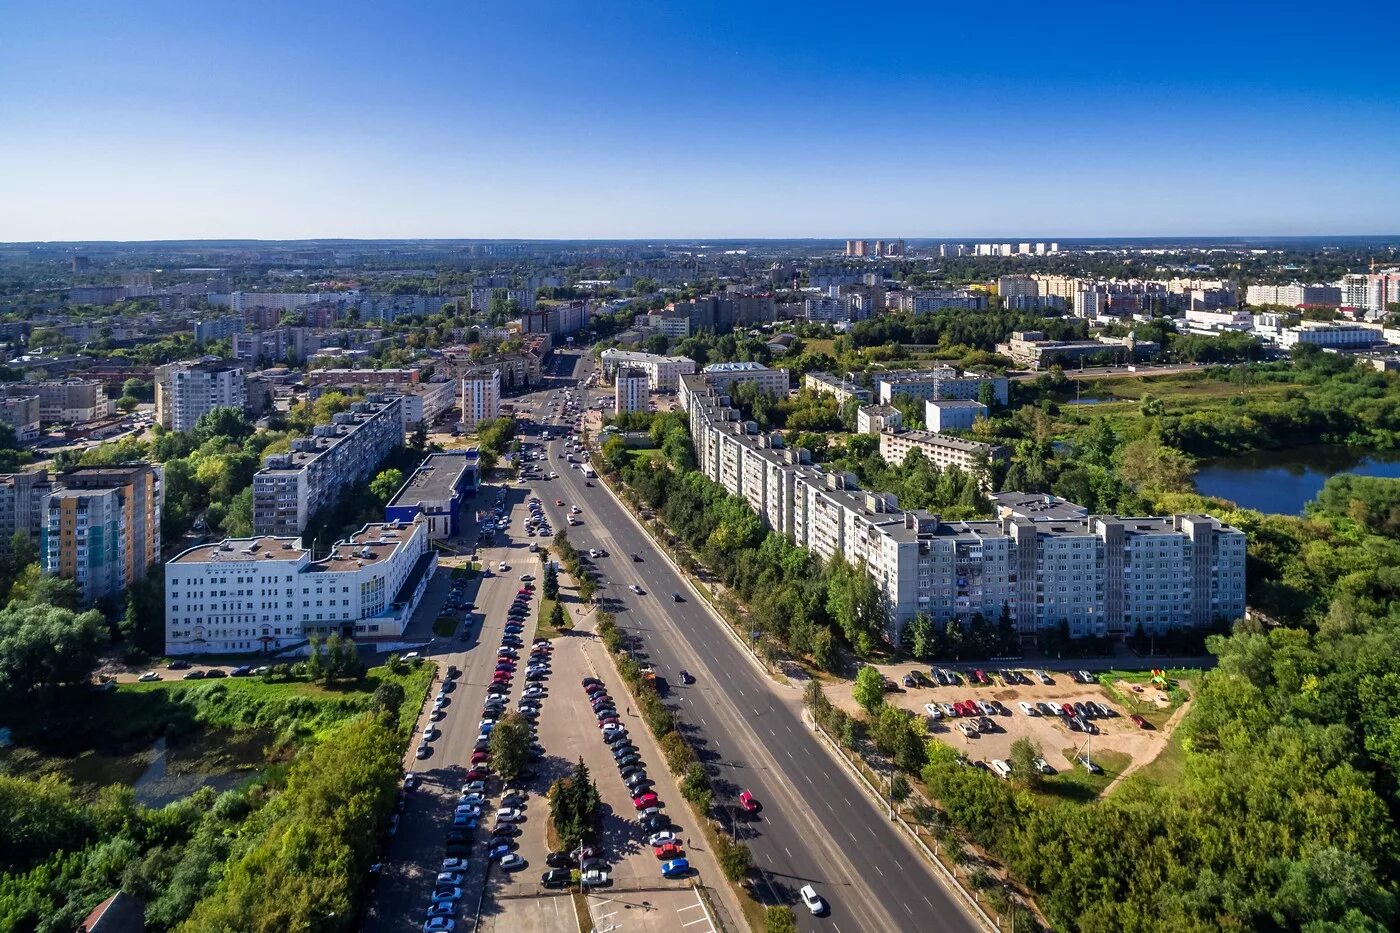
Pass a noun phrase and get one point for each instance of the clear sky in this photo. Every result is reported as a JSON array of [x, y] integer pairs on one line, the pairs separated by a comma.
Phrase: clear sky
[[145, 119]]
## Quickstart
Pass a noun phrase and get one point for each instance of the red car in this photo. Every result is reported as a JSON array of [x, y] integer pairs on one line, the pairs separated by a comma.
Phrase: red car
[[978, 676], [477, 774], [645, 800], [1067, 710], [480, 757], [522, 592], [748, 803], [558, 501], [669, 851], [502, 677], [1140, 722]]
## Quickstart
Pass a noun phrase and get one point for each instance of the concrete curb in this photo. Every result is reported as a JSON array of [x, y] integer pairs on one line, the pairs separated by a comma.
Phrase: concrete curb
[[948, 878]]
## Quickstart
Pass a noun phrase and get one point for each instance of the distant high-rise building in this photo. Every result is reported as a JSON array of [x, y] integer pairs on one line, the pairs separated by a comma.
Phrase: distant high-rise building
[[481, 397], [857, 248], [187, 391], [631, 390]]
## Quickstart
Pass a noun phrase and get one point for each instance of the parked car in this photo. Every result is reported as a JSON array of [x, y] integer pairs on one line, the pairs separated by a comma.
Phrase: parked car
[[676, 868], [1140, 722]]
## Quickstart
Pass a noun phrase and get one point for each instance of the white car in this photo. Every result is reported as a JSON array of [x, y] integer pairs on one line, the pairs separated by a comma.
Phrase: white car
[[636, 589], [812, 899], [148, 677], [509, 815], [575, 510], [593, 879], [1028, 709], [661, 839], [968, 729], [933, 711], [502, 567]]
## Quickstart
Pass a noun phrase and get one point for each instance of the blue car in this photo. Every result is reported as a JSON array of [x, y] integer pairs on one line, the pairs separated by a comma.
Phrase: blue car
[[676, 868], [498, 851]]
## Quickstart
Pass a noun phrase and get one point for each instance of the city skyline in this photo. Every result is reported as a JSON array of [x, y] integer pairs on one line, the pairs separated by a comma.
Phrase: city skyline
[[158, 121]]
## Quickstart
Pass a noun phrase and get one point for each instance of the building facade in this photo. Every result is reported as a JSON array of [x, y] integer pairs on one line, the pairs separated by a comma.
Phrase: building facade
[[23, 413], [266, 593], [1099, 575], [186, 392], [664, 372], [435, 491], [481, 397], [630, 391], [293, 486], [942, 383], [101, 528], [22, 505], [843, 390]]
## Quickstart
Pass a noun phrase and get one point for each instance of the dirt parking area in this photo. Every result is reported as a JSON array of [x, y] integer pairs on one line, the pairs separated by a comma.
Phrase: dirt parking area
[[1117, 735]]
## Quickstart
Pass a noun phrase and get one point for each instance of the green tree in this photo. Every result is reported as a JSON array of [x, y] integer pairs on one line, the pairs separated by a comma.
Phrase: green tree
[[824, 649], [869, 689], [387, 698], [549, 586], [510, 745], [45, 649], [735, 858], [385, 484], [779, 919], [1024, 752]]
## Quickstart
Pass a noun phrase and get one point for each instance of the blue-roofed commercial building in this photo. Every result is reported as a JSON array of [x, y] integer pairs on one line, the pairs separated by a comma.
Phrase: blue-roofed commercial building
[[435, 492]]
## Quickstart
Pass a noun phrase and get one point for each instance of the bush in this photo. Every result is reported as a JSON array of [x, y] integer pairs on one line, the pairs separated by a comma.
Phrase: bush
[[779, 919], [735, 859]]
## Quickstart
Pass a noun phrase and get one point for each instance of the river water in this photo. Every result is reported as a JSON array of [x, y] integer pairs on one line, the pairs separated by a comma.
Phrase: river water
[[1283, 481]]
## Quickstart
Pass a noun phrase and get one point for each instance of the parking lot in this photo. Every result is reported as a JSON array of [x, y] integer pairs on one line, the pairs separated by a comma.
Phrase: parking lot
[[650, 912], [1116, 733]]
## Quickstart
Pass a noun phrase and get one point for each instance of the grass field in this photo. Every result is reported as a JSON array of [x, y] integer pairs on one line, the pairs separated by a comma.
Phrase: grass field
[[1078, 784], [544, 629]]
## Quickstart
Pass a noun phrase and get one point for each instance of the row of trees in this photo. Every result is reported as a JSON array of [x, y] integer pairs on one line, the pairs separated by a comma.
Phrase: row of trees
[[573, 808]]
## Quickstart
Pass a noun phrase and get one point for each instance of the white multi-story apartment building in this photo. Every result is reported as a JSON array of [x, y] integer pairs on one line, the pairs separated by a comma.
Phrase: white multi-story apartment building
[[939, 449], [926, 302], [267, 593], [187, 391], [954, 414], [425, 402], [663, 371], [631, 391], [1043, 561], [1296, 295], [1371, 292], [724, 376], [481, 397], [843, 390], [872, 419], [827, 310], [942, 383], [292, 487]]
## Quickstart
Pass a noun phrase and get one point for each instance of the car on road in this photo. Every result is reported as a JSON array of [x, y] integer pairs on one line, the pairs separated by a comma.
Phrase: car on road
[[423, 751], [687, 677], [148, 677], [676, 868], [193, 675], [747, 801], [637, 589], [812, 900], [559, 860], [676, 598], [511, 862], [636, 558], [592, 681]]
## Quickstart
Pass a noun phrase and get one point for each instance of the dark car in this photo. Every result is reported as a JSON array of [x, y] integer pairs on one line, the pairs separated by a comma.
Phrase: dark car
[[591, 681], [616, 738], [676, 598], [559, 860], [687, 677], [215, 672], [194, 675], [244, 671], [629, 759], [656, 822], [556, 878]]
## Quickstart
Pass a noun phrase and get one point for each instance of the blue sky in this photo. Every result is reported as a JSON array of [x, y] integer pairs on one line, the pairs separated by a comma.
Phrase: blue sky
[[155, 119]]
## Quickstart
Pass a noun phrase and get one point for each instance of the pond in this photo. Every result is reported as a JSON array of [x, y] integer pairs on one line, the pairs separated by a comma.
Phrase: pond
[[1283, 481]]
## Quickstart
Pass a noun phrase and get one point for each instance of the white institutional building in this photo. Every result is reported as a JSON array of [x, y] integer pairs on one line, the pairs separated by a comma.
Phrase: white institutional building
[[268, 593], [663, 371]]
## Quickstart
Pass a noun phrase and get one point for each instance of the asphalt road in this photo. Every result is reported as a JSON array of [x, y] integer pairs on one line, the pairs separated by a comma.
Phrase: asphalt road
[[817, 825]]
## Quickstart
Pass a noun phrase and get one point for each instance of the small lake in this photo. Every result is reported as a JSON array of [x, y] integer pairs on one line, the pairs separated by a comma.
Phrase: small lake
[[1283, 481]]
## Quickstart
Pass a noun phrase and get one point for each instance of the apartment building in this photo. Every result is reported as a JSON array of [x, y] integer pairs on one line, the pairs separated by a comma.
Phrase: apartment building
[[481, 397], [291, 487], [266, 593], [843, 390], [939, 449], [827, 310], [926, 302], [187, 391], [22, 505], [219, 328], [1043, 561], [398, 379], [872, 419], [72, 402], [724, 376], [664, 372], [1296, 295], [1371, 292], [630, 391], [23, 414], [101, 527], [426, 402], [435, 491], [956, 414], [941, 383]]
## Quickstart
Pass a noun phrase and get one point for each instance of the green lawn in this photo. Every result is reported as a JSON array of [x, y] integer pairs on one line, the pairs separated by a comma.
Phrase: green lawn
[[1168, 767], [544, 629], [1076, 784]]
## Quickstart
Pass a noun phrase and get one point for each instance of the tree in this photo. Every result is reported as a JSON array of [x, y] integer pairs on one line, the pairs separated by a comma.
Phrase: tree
[[735, 858], [824, 649], [869, 689], [558, 618], [45, 649], [383, 486], [779, 919], [510, 745], [573, 807], [549, 586], [387, 698], [1024, 752], [127, 404]]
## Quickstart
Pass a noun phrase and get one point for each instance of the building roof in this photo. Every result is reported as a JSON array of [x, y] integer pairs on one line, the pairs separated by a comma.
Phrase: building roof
[[742, 366], [942, 440], [1036, 505], [436, 479], [953, 403], [374, 542]]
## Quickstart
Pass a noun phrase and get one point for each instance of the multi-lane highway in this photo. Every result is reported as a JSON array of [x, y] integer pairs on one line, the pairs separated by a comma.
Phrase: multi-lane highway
[[817, 825]]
